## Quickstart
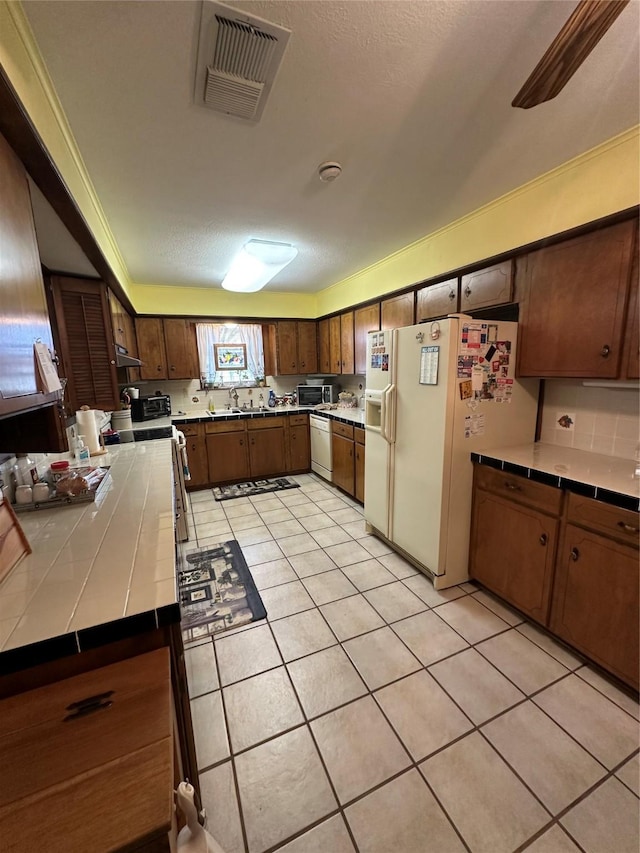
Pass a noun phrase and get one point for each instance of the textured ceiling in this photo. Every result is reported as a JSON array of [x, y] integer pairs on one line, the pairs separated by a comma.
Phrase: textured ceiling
[[413, 98]]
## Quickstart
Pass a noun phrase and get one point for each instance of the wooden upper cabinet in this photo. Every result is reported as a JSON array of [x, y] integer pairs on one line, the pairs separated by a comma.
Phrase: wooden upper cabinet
[[117, 320], [335, 351], [23, 308], [631, 351], [287, 348], [487, 287], [181, 349], [324, 347], [397, 311], [86, 342], [307, 346], [151, 349], [573, 309], [437, 300], [347, 364], [365, 320]]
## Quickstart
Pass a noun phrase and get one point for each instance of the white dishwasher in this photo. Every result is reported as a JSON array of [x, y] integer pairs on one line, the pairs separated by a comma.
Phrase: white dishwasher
[[321, 458]]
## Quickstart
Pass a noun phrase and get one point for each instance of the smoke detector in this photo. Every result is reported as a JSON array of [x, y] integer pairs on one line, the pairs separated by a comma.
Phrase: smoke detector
[[238, 59], [329, 171]]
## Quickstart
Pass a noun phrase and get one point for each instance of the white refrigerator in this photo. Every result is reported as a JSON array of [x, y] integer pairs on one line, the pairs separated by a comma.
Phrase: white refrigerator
[[434, 394]]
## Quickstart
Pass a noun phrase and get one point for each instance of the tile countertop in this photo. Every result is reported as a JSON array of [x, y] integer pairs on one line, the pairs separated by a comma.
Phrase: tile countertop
[[606, 478], [108, 561], [355, 416]]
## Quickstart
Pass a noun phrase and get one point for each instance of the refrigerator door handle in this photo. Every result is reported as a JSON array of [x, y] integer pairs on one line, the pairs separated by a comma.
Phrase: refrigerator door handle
[[383, 414], [390, 413]]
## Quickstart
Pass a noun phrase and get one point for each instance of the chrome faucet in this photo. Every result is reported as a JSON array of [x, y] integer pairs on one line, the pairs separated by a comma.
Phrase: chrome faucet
[[233, 393]]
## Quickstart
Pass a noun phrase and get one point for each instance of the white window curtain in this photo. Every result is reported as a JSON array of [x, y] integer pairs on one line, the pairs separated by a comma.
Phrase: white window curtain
[[209, 334]]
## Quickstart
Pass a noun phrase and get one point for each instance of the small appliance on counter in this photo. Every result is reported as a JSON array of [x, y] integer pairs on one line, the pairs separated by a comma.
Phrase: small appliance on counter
[[313, 395], [149, 407]]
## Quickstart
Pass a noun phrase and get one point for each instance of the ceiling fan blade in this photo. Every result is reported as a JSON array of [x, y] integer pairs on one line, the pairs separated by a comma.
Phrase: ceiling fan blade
[[588, 22]]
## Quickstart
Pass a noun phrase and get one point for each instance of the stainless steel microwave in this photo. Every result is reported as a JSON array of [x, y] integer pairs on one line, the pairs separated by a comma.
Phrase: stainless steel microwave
[[148, 408], [313, 395]]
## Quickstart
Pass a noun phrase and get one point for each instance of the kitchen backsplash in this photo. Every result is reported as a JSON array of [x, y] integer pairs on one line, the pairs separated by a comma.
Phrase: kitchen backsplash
[[602, 420], [182, 392]]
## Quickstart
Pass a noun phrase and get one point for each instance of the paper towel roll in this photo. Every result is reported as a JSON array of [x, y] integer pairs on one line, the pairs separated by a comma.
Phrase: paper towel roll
[[86, 424]]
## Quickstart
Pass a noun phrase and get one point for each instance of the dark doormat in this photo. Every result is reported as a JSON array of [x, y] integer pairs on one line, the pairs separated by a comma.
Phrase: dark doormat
[[254, 487], [217, 591]]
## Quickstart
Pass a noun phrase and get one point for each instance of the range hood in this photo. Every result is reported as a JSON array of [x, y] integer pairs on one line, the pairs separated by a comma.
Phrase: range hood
[[123, 359]]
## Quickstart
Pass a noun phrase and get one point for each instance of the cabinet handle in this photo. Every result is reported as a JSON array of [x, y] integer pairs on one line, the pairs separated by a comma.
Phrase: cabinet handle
[[452, 295], [303, 364], [544, 539], [629, 528], [467, 291], [574, 554], [292, 365], [513, 487], [241, 442], [159, 367], [172, 367], [604, 352]]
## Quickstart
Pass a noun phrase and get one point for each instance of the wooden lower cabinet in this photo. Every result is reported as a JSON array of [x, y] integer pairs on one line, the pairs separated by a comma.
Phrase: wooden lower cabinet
[[568, 561], [299, 446], [343, 467], [266, 452], [595, 601], [228, 457], [513, 551], [197, 455]]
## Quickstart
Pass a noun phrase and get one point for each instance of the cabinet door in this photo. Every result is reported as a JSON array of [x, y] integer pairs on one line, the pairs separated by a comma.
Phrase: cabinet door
[[324, 347], [359, 473], [287, 344], [228, 457], [151, 350], [299, 451], [334, 345], [346, 343], [343, 464], [631, 351], [595, 601], [437, 300], [23, 309], [181, 349], [266, 452], [365, 320], [198, 462], [117, 320], [86, 342], [487, 287], [572, 314], [307, 346], [512, 553], [397, 311]]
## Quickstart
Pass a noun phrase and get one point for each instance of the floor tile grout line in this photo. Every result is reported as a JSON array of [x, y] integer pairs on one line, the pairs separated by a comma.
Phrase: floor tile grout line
[[576, 672]]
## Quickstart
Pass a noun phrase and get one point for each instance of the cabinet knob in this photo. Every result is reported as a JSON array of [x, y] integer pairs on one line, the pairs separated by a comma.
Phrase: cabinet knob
[[513, 487], [452, 295], [604, 352], [159, 367], [467, 291], [172, 367], [544, 539], [292, 365], [241, 442], [574, 554]]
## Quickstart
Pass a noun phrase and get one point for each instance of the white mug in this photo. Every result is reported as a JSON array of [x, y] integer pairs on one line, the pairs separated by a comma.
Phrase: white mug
[[24, 494]]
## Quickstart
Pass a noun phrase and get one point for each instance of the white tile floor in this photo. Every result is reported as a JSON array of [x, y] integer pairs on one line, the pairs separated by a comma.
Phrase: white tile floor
[[371, 713]]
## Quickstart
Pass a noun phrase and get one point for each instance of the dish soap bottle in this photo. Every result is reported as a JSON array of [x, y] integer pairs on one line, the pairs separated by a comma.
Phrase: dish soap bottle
[[212, 406], [272, 399]]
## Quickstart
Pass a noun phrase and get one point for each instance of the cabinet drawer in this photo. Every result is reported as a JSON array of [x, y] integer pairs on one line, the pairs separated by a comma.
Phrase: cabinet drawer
[[358, 434], [519, 489], [191, 429], [345, 430], [266, 423], [298, 420], [587, 512], [225, 426]]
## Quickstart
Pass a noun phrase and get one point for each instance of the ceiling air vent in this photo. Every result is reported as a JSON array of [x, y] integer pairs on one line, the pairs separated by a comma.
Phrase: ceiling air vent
[[238, 58]]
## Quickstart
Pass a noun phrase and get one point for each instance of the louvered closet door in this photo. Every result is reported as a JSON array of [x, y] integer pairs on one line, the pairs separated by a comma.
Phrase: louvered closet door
[[86, 343]]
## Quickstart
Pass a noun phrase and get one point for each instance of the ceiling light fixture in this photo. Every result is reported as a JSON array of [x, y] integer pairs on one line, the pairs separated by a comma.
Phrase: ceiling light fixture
[[329, 171], [257, 263]]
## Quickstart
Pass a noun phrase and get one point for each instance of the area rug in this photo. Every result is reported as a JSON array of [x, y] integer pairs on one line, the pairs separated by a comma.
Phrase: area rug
[[217, 591], [254, 487]]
